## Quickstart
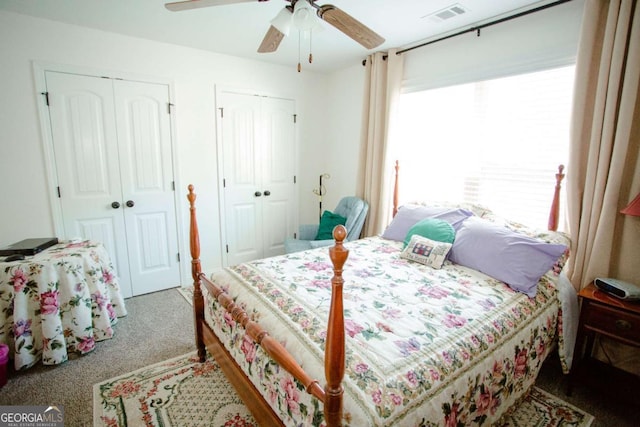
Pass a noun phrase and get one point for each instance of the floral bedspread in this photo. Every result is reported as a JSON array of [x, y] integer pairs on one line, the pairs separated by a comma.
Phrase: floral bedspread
[[61, 300], [424, 347]]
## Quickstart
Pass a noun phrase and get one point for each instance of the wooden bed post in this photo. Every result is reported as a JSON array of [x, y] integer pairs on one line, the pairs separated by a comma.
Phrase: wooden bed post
[[395, 191], [207, 339], [334, 346], [554, 214], [196, 270]]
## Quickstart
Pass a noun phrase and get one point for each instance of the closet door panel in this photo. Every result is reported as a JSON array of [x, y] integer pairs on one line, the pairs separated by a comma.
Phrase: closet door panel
[[86, 155], [278, 173], [113, 155], [257, 137], [144, 135], [242, 169]]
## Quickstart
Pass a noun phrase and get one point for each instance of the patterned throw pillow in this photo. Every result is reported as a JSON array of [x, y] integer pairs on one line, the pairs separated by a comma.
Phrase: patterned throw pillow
[[426, 251]]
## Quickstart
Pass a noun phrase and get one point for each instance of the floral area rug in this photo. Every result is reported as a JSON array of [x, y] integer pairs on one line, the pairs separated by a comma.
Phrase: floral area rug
[[183, 392], [178, 392], [541, 409], [187, 293]]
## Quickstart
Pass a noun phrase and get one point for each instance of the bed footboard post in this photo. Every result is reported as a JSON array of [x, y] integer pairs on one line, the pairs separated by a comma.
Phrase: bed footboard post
[[334, 347], [396, 190], [196, 270], [554, 213]]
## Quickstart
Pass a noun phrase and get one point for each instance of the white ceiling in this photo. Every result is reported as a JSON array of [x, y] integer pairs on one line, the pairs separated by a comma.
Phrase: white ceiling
[[238, 29]]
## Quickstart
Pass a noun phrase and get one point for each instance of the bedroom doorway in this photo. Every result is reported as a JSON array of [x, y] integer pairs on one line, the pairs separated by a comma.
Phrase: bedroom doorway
[[258, 142], [114, 169]]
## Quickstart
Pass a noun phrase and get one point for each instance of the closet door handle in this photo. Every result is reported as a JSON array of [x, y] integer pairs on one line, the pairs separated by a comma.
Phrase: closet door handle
[[267, 193], [257, 194], [115, 205], [130, 203]]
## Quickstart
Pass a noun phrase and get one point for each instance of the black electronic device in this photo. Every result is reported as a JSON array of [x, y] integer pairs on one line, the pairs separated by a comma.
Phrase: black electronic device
[[619, 288], [15, 257], [29, 246]]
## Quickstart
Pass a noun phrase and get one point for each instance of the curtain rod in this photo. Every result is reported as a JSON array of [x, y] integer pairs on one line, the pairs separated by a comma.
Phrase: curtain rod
[[479, 27]]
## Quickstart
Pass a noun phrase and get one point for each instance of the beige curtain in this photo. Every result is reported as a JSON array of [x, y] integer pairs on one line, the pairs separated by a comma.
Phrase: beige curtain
[[604, 139], [382, 89]]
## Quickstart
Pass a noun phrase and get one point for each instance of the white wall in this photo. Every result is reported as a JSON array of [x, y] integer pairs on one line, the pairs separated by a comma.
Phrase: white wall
[[26, 206], [544, 39], [341, 143]]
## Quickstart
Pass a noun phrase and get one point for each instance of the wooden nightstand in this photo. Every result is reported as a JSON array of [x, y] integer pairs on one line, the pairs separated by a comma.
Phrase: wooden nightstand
[[601, 313]]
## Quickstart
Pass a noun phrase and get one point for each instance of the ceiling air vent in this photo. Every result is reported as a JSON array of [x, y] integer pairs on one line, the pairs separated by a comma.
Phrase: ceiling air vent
[[447, 13]]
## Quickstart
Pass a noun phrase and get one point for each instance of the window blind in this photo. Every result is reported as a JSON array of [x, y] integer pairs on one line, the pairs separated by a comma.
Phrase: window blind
[[496, 142]]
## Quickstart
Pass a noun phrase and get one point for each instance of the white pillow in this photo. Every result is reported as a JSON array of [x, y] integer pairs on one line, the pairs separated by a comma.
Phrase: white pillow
[[426, 251]]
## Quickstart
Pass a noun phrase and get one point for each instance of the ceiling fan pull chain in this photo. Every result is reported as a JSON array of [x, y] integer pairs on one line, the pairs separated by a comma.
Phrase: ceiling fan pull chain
[[299, 41], [310, 39]]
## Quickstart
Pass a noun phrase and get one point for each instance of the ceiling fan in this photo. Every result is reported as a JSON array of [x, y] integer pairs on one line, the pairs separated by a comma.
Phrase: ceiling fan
[[299, 14]]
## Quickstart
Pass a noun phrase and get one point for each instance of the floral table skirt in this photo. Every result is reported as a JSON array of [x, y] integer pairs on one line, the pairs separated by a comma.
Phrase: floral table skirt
[[61, 300]]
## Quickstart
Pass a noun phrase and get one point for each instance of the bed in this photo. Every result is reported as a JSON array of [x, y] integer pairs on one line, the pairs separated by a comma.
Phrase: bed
[[398, 342]]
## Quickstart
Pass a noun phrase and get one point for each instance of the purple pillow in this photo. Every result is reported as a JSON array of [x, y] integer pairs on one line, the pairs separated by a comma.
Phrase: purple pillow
[[510, 257], [409, 215]]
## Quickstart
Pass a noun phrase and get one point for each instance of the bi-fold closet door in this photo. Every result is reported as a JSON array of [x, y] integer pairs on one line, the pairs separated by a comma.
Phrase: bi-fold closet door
[[114, 166], [258, 142]]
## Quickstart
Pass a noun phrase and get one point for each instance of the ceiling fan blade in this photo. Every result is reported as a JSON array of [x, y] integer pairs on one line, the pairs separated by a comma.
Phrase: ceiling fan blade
[[350, 26], [195, 4], [271, 40]]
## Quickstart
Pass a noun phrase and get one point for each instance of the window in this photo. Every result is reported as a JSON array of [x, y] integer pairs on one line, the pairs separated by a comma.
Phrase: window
[[497, 143]]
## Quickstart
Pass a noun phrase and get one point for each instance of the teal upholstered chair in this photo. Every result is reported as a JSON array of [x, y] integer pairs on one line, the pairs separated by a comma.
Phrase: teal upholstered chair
[[352, 208]]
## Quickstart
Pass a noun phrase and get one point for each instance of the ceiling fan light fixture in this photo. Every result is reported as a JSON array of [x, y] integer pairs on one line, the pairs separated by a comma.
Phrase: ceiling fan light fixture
[[315, 29], [304, 15], [282, 21]]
